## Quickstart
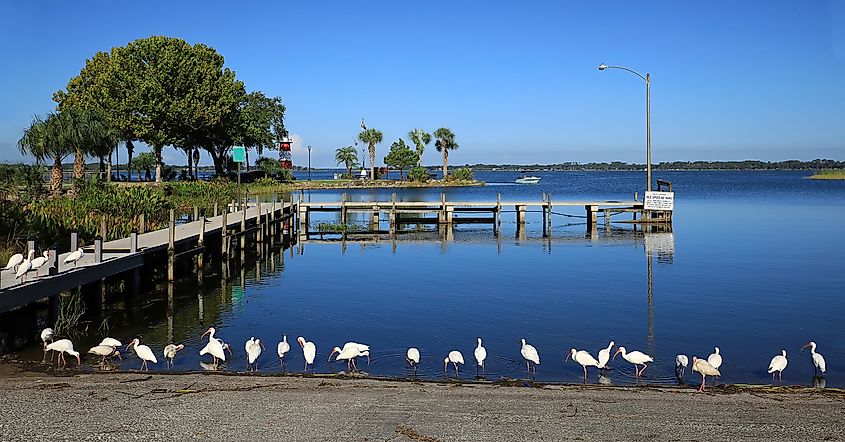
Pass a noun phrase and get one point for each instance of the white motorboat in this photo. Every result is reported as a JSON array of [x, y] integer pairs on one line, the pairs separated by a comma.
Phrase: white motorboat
[[527, 179]]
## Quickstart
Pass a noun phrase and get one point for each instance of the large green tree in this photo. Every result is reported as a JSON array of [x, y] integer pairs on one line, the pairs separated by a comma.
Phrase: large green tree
[[400, 157], [45, 139], [348, 156], [371, 137], [445, 141], [420, 138]]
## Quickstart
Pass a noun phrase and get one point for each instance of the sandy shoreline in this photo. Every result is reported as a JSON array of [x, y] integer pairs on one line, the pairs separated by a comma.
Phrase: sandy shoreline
[[112, 406]]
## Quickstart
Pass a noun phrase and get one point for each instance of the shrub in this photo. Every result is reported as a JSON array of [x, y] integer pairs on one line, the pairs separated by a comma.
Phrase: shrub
[[419, 174], [462, 174]]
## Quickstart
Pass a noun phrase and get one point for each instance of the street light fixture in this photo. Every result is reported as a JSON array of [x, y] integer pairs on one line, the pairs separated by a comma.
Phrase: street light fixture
[[647, 79], [309, 162]]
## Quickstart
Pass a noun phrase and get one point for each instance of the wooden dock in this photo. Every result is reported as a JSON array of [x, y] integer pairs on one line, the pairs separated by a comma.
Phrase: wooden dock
[[454, 212], [257, 222]]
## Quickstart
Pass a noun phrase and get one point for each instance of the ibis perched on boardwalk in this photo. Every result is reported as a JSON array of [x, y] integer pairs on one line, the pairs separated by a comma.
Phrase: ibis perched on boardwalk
[[73, 257], [14, 262]]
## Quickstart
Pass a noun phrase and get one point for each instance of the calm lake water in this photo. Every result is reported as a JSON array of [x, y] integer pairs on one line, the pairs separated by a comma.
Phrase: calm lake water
[[755, 264]]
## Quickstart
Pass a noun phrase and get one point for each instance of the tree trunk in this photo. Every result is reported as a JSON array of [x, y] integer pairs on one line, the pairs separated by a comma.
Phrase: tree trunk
[[372, 161], [108, 169], [79, 165], [157, 150], [445, 162], [246, 157], [130, 147], [56, 176], [400, 175], [190, 163], [218, 163], [196, 154]]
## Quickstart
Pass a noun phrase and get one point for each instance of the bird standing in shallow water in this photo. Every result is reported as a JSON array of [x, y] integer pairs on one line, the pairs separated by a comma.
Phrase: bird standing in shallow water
[[778, 364], [681, 363], [584, 358], [105, 351], [282, 349], [47, 335], [64, 346], [703, 367], [604, 355], [819, 365], [715, 358], [143, 352], [413, 358], [309, 351], [636, 358], [455, 357], [253, 349], [214, 347], [480, 354], [529, 353], [170, 353]]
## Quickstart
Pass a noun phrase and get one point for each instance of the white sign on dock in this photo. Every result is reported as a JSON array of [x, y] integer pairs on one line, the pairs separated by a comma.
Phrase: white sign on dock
[[659, 201]]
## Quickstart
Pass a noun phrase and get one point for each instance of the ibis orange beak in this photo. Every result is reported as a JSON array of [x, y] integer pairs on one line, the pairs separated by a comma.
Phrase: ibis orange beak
[[331, 354], [614, 355], [805, 346]]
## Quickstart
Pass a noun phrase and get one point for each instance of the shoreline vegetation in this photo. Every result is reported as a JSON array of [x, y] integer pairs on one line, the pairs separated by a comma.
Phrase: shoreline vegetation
[[828, 175], [817, 164]]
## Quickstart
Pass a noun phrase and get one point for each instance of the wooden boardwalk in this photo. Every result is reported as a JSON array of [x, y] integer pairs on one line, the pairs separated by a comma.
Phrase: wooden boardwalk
[[122, 255]]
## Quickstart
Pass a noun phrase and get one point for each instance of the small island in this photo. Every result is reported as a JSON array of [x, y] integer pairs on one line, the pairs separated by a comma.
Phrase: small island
[[829, 175]]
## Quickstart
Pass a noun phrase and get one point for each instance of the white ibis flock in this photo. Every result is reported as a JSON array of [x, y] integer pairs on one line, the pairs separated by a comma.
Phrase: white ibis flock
[[351, 351], [23, 266]]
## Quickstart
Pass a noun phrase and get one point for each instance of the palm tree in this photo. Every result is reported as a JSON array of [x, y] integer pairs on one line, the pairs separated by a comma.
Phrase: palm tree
[[420, 138], [371, 137], [348, 156], [445, 142], [44, 139], [104, 142]]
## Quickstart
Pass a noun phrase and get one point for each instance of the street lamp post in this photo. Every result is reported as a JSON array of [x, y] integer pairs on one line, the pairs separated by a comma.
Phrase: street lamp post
[[309, 162], [647, 80]]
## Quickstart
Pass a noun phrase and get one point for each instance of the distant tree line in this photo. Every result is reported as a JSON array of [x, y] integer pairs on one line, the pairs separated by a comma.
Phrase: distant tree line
[[817, 164]]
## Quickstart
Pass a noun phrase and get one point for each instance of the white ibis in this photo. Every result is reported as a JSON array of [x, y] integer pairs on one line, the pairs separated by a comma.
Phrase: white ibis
[[111, 342], [105, 351], [25, 266], [455, 357], [529, 353], [778, 364], [681, 362], [14, 262], [480, 354], [309, 351], [214, 347], [584, 358], [604, 356], [413, 357], [73, 257], [170, 352], [63, 346], [818, 360], [47, 335], [636, 358], [143, 352], [715, 359], [349, 352], [282, 349], [38, 262], [703, 367], [253, 351]]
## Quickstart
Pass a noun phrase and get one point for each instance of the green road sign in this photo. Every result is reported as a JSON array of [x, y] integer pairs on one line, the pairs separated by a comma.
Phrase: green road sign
[[239, 154]]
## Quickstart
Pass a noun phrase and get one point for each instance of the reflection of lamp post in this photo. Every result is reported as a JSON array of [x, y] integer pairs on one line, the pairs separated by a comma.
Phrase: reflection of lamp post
[[309, 162], [647, 80]]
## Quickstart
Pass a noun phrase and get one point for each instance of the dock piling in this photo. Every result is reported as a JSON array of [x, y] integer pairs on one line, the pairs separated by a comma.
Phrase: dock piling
[[53, 261], [30, 245], [171, 245], [74, 240], [133, 242], [98, 249]]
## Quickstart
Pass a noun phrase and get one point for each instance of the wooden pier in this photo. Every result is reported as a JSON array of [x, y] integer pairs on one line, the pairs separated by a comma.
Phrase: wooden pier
[[447, 213], [257, 222]]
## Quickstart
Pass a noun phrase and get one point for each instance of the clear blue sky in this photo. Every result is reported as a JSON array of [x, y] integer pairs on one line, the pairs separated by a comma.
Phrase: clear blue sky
[[516, 81]]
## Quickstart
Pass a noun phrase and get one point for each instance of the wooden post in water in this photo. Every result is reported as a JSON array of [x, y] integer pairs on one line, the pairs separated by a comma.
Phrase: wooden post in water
[[592, 222], [549, 200], [343, 208], [224, 238], [543, 209], [392, 215], [374, 218], [607, 219], [498, 211], [243, 228], [171, 246], [442, 215]]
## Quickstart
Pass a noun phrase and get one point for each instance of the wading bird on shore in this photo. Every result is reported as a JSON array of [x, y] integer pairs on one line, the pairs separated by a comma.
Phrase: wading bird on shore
[[584, 358], [25, 266], [282, 349], [214, 347], [74, 256], [715, 359], [681, 363], [349, 352], [105, 351], [636, 358], [253, 351], [703, 367], [819, 364], [604, 355], [778, 364], [480, 354], [170, 352], [455, 357], [63, 346], [47, 335], [413, 358], [111, 342], [309, 351], [143, 352], [529, 353], [38, 262], [14, 262]]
